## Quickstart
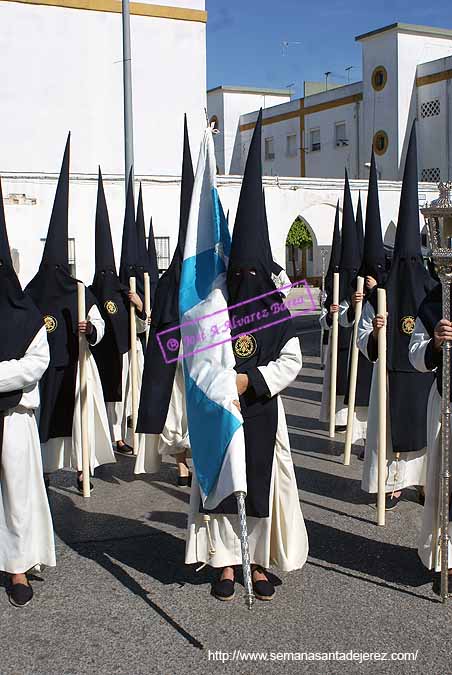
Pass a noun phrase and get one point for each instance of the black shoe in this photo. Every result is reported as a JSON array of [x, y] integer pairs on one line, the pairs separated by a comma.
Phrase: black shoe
[[361, 455], [263, 590], [20, 595], [80, 485], [184, 481], [341, 428], [123, 449], [223, 589], [436, 585], [391, 502]]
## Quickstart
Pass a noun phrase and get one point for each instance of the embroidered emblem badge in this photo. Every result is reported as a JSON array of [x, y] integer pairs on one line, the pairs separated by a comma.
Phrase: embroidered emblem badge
[[407, 324], [50, 323], [245, 346]]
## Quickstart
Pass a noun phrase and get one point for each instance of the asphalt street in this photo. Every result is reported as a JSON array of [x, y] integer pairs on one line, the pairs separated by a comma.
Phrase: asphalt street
[[122, 602]]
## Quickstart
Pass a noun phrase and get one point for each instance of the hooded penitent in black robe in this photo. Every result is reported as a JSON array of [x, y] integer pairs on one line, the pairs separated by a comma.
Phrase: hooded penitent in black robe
[[249, 277], [407, 285], [158, 376], [113, 303], [349, 265], [372, 264], [20, 319], [54, 292]]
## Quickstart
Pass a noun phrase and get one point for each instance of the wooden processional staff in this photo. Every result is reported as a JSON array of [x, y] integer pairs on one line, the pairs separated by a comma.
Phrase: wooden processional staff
[[81, 303], [333, 353], [134, 366], [353, 376]]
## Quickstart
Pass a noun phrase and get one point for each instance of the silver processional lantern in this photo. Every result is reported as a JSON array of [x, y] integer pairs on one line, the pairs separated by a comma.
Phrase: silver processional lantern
[[438, 218]]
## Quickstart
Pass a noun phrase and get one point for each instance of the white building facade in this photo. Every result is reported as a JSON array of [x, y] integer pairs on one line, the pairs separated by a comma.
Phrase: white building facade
[[407, 75]]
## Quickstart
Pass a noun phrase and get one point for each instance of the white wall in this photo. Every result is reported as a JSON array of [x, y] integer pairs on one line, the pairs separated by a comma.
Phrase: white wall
[[286, 198], [61, 69]]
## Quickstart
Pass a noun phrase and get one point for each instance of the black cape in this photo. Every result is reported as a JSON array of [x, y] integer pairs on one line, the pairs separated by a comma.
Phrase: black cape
[[54, 292], [158, 376], [112, 300]]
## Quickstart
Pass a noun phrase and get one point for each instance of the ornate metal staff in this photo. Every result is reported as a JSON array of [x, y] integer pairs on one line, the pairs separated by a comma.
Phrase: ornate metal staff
[[246, 565], [438, 217]]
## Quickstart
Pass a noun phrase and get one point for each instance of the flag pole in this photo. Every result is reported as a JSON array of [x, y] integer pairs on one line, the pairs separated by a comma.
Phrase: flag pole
[[81, 305], [333, 354], [353, 376], [127, 77], [134, 368], [382, 403]]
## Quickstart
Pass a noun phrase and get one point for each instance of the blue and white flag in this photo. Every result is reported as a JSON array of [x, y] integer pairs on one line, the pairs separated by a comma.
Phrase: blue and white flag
[[214, 422]]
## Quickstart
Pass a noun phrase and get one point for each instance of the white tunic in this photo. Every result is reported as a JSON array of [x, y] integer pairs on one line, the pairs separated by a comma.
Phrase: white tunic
[[360, 416], [141, 325], [280, 539], [405, 471], [174, 437], [26, 532], [118, 411], [430, 530], [61, 453]]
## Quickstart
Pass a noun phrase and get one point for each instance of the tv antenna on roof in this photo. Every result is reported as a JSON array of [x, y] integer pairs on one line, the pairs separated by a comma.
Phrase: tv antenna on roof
[[285, 44]]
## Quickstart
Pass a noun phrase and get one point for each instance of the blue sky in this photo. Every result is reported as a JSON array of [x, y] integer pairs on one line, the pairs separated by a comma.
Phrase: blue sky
[[244, 37]]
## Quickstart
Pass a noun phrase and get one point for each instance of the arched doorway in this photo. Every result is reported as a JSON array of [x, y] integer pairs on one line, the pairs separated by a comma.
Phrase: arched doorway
[[319, 220]]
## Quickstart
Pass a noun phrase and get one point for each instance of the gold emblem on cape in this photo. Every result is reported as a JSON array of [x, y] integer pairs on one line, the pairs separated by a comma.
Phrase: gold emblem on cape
[[111, 307], [407, 324], [50, 323], [245, 346]]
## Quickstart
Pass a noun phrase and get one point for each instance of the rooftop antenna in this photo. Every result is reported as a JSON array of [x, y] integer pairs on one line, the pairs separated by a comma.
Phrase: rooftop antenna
[[285, 44], [348, 70], [327, 74]]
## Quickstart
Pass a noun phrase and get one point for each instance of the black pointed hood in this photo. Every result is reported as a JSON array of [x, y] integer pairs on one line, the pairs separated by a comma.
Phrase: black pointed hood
[[110, 293], [143, 258], [407, 240], [152, 263], [350, 256], [406, 287], [360, 227], [335, 258], [129, 249], [374, 257], [250, 240], [105, 256], [19, 318], [158, 376], [112, 301], [56, 246]]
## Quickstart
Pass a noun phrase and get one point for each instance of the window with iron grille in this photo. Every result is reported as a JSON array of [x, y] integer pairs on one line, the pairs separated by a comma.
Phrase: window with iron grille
[[269, 149], [431, 108], [162, 249], [70, 254], [431, 175], [315, 140]]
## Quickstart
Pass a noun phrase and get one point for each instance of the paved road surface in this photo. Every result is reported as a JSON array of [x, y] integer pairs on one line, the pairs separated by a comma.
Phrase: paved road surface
[[121, 601]]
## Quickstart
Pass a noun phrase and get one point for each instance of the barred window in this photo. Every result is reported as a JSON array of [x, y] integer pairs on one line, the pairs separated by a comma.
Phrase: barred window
[[431, 108], [162, 249], [431, 175]]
